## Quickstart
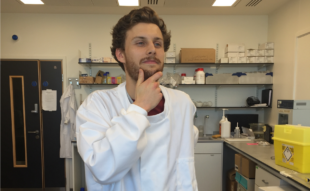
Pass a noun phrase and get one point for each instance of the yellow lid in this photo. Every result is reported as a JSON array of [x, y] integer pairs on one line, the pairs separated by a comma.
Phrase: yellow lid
[[292, 133]]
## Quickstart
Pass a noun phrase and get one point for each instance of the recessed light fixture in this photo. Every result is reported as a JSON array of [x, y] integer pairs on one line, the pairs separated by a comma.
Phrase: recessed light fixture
[[128, 2], [34, 2], [223, 3]]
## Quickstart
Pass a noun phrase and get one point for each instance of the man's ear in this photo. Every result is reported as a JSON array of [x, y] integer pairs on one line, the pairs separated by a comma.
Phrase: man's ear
[[120, 55]]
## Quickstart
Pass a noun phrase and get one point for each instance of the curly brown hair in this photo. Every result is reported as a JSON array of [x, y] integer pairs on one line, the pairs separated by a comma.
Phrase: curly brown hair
[[142, 15]]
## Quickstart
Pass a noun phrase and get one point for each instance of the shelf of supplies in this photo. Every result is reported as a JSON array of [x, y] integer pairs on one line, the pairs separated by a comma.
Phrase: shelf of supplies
[[188, 64]]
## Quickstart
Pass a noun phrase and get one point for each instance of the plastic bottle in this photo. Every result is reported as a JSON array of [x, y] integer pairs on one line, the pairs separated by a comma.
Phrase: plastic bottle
[[200, 76], [225, 133], [223, 118], [183, 75], [105, 78], [195, 74], [108, 74], [237, 132]]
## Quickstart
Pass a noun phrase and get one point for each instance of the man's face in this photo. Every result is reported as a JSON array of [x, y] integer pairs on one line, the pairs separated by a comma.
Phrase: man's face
[[144, 48]]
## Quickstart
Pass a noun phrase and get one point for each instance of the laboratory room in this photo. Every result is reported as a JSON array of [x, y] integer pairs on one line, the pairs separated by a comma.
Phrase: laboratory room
[[155, 95]]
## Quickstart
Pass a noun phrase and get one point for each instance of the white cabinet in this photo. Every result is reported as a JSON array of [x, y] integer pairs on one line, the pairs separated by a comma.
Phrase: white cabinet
[[264, 178], [208, 166]]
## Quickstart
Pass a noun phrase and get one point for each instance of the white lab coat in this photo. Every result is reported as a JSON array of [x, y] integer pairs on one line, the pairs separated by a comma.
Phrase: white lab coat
[[126, 150], [68, 107]]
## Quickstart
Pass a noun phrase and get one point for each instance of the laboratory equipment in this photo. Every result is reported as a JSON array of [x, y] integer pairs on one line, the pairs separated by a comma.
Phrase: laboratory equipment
[[294, 112]]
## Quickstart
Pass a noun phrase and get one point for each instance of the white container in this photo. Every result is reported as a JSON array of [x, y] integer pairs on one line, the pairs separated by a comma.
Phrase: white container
[[231, 54], [242, 60], [269, 52], [251, 59], [223, 60], [225, 128], [233, 59], [200, 76], [251, 52], [234, 48], [266, 45], [260, 59], [170, 54], [269, 59], [170, 60], [241, 54], [260, 52]]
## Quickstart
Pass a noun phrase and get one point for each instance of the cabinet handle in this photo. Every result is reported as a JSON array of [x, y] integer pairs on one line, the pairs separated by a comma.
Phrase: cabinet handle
[[265, 182]]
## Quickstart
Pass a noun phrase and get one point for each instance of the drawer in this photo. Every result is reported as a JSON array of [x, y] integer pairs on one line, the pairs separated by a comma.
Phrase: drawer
[[209, 148], [256, 188], [264, 178]]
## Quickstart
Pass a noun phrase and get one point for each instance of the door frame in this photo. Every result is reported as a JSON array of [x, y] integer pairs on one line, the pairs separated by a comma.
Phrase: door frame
[[62, 59]]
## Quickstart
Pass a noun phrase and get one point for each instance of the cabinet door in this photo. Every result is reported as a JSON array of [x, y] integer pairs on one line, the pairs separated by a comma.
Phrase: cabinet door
[[208, 171]]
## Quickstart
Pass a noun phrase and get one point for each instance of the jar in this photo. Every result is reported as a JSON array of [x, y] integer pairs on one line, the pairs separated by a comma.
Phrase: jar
[[200, 76], [183, 75]]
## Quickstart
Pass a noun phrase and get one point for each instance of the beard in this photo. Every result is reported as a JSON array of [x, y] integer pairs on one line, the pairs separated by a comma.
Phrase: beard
[[133, 68]]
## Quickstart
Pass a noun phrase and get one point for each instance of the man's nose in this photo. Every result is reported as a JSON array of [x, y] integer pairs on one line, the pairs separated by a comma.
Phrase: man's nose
[[151, 49]]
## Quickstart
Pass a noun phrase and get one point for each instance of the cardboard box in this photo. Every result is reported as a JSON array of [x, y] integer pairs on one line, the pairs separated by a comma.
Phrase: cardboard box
[[188, 82], [266, 45], [242, 60], [224, 60], [170, 60], [97, 59], [251, 52], [197, 55], [106, 59], [234, 48], [248, 168], [99, 77], [86, 80], [238, 162], [233, 59], [170, 54], [241, 54], [268, 52]]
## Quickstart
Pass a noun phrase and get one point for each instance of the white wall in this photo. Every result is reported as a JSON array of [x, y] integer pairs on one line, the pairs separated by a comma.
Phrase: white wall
[[284, 24], [61, 36]]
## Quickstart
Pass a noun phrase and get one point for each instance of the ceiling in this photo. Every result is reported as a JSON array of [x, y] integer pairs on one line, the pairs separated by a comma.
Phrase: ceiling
[[164, 7]]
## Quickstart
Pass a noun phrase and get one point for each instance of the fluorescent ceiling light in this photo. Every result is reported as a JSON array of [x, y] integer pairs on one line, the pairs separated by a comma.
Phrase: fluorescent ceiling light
[[223, 3], [32, 1], [128, 2]]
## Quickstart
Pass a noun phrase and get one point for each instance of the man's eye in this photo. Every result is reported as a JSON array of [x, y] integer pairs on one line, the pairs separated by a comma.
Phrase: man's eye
[[140, 43], [158, 44]]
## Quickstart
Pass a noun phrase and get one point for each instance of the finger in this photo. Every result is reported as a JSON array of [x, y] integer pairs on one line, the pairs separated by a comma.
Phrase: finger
[[140, 77], [155, 77]]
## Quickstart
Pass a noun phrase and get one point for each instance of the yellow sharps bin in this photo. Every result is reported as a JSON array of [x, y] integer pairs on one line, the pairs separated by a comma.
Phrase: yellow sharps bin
[[292, 147]]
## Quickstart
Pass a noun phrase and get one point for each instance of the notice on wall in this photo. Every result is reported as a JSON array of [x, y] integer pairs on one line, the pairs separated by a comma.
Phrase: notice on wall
[[49, 100]]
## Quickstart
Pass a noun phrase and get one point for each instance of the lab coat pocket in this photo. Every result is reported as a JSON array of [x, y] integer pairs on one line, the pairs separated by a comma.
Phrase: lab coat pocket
[[186, 177]]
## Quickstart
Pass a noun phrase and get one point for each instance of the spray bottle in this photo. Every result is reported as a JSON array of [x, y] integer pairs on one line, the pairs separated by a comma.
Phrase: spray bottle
[[237, 132], [223, 119]]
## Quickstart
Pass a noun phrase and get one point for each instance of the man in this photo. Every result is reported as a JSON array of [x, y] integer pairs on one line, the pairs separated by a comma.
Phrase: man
[[139, 135]]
